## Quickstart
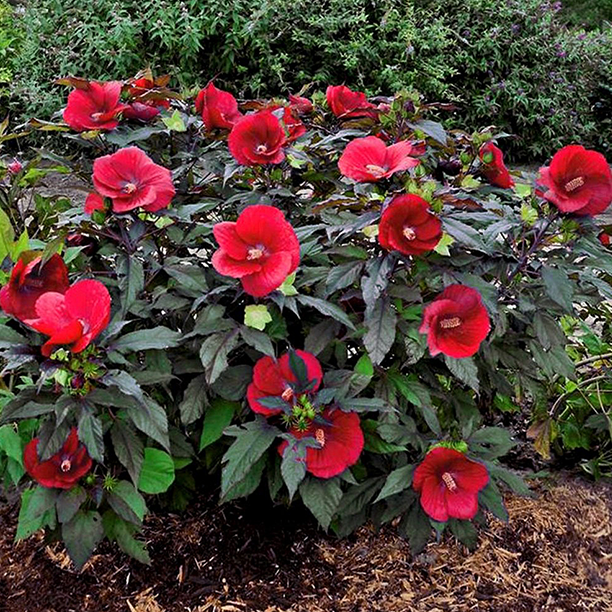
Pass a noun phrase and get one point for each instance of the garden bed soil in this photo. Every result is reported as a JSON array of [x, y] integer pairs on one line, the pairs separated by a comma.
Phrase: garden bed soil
[[555, 555]]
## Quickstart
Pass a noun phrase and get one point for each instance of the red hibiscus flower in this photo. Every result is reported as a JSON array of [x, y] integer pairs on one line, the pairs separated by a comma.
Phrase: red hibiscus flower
[[449, 483], [64, 469], [94, 108], [340, 443], [578, 181], [74, 318], [93, 202], [258, 139], [368, 159], [145, 103], [131, 179], [29, 280], [604, 238], [275, 378], [218, 108], [456, 322], [408, 226], [295, 128], [260, 248], [493, 168], [347, 104], [302, 106]]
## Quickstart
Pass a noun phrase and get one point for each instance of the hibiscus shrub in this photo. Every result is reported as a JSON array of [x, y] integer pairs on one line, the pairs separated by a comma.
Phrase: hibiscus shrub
[[332, 298]]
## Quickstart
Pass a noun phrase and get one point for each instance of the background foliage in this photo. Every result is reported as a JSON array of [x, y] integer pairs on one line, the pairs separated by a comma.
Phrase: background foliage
[[510, 63]]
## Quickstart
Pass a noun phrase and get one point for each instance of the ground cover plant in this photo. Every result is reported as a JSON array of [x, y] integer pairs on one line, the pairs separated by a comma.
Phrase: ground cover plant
[[326, 297]]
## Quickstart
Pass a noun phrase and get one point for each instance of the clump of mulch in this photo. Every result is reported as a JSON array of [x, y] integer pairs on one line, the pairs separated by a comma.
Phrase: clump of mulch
[[555, 555]]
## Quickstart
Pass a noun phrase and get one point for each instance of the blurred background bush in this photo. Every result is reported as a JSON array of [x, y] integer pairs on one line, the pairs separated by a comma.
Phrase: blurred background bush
[[538, 69]]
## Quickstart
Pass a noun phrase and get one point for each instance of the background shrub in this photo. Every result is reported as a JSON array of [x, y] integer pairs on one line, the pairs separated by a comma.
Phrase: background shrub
[[512, 63]]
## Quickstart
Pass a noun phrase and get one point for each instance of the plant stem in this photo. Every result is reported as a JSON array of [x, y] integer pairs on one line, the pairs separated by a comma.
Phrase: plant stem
[[583, 383], [537, 241]]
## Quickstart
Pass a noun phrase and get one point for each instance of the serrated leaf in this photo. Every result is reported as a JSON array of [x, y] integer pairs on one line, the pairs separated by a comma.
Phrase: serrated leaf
[[157, 473], [293, 466], [326, 308], [146, 339], [36, 505], [216, 419], [123, 533], [69, 502], [257, 340], [175, 122], [257, 316], [81, 535], [380, 322], [491, 498], [130, 275], [465, 532], [322, 498], [152, 420], [214, 352], [251, 441], [127, 502], [90, 433], [465, 370], [128, 447], [10, 443], [194, 400], [559, 287], [397, 480]]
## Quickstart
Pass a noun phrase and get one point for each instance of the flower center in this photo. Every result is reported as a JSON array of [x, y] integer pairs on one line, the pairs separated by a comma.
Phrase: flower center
[[66, 465], [574, 184], [320, 436], [449, 481], [35, 283], [262, 148], [254, 253], [450, 323], [377, 171], [287, 394], [129, 188], [96, 116], [409, 233]]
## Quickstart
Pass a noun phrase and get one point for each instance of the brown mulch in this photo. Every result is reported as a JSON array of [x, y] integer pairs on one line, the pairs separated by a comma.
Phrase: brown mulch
[[555, 555]]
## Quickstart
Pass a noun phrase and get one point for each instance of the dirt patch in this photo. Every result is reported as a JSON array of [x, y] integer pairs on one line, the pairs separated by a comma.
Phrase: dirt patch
[[555, 555]]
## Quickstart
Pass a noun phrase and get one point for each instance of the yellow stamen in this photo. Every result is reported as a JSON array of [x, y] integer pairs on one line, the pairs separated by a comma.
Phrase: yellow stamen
[[409, 233], [66, 465], [129, 188], [287, 394], [449, 481], [262, 148], [320, 436], [450, 323], [574, 184], [377, 171], [254, 253]]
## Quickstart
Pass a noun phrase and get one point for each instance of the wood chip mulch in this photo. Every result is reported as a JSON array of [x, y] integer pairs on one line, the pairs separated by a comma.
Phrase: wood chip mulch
[[555, 555]]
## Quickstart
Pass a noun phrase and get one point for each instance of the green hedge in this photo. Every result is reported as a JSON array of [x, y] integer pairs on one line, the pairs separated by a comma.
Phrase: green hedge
[[506, 62]]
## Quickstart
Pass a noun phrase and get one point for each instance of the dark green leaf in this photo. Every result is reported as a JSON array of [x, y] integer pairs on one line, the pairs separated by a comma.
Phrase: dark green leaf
[[69, 502], [558, 287], [81, 535], [380, 322], [90, 433], [145, 339], [396, 482], [326, 308], [465, 532], [194, 400], [252, 441], [293, 466], [127, 502], [214, 352], [128, 447], [216, 419], [37, 510], [464, 369], [122, 532], [321, 497]]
